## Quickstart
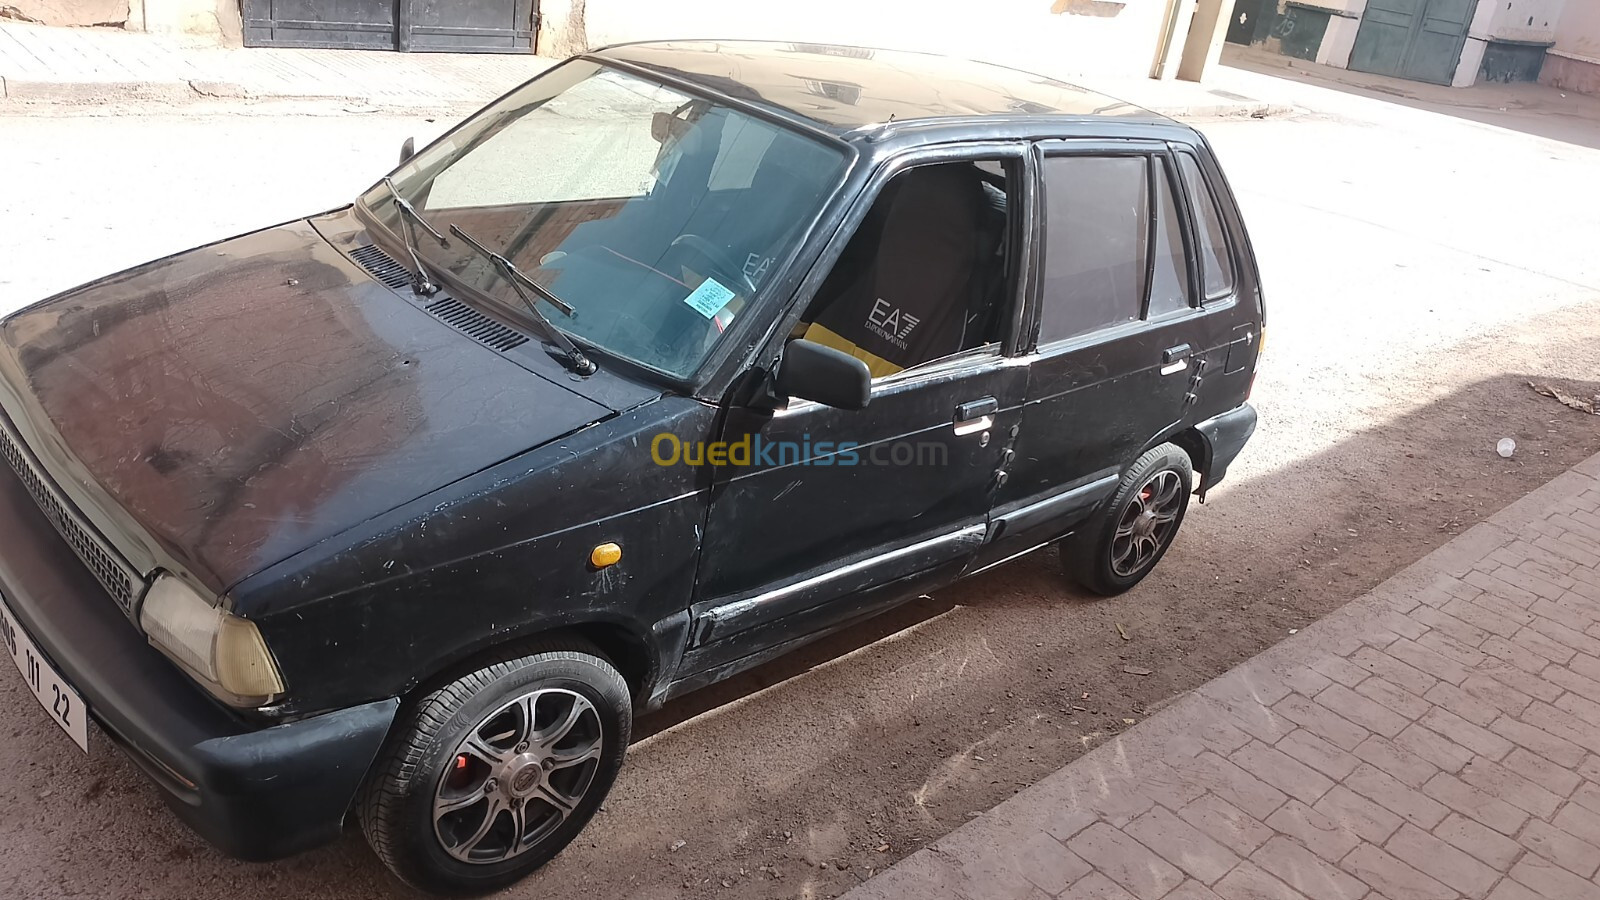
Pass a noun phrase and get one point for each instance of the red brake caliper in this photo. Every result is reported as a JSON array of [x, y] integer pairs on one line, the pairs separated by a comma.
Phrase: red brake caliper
[[458, 772]]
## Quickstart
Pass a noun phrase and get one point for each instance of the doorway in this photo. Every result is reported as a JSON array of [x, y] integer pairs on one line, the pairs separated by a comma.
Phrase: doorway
[[1420, 40], [451, 26]]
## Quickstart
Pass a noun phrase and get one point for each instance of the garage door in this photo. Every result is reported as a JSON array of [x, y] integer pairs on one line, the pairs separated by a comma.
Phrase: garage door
[[1416, 39], [460, 26]]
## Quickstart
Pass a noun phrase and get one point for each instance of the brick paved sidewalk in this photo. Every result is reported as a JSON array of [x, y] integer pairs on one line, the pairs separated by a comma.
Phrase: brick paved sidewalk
[[1437, 738]]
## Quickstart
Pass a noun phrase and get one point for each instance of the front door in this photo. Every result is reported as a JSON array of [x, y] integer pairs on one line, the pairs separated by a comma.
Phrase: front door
[[1416, 39], [836, 513]]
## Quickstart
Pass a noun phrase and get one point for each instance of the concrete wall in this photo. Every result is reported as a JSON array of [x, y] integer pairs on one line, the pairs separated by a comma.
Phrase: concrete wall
[[70, 12], [1056, 37], [1574, 62], [217, 19], [1339, 41], [1578, 33], [1516, 21], [1520, 20]]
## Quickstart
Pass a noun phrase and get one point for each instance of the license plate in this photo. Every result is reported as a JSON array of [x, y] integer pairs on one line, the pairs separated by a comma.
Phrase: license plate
[[49, 688]]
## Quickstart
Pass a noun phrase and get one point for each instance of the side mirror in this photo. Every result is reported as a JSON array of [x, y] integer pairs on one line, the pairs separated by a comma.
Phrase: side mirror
[[408, 150], [812, 371]]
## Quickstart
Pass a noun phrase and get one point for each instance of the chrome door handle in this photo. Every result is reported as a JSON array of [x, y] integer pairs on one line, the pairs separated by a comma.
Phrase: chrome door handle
[[976, 415], [1175, 359], [977, 409]]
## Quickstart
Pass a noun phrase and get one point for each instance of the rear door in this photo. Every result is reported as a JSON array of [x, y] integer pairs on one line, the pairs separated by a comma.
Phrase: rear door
[[1120, 340]]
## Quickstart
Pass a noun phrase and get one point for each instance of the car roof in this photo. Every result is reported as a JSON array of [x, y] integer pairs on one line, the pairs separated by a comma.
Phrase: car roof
[[851, 89]]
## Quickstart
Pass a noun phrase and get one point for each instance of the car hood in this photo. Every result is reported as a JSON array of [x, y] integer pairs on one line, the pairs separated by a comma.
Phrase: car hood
[[219, 410]]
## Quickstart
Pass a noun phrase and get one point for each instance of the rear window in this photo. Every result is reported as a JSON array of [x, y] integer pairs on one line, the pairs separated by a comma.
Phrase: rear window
[[1216, 264]]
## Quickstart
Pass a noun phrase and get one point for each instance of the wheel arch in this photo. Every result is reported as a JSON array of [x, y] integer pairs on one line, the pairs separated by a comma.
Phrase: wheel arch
[[1192, 442], [626, 647]]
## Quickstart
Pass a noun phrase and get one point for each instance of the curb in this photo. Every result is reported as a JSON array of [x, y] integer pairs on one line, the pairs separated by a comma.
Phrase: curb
[[195, 91], [1252, 110], [94, 91]]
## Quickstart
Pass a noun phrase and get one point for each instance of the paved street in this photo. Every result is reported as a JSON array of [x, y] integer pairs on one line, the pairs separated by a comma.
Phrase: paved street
[[1422, 264], [1431, 740]]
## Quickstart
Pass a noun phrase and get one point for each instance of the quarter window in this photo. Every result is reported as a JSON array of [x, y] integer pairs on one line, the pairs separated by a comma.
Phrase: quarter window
[[1169, 291], [1097, 230], [1216, 265]]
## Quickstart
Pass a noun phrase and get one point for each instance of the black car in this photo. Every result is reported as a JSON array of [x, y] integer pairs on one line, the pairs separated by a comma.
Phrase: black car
[[672, 359]]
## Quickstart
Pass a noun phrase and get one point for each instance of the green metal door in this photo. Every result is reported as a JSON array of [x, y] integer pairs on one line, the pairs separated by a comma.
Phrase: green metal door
[[1416, 39]]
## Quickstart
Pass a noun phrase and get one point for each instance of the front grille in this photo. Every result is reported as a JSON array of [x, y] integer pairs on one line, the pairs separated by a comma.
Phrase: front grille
[[119, 579]]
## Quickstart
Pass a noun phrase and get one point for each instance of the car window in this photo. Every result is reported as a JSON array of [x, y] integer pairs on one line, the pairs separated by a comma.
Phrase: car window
[[1097, 225], [745, 143], [657, 216], [924, 276], [1169, 291], [1216, 265], [591, 146]]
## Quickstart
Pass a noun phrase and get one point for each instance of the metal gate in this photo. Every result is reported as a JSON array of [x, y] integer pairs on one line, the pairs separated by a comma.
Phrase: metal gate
[[1416, 39], [456, 26]]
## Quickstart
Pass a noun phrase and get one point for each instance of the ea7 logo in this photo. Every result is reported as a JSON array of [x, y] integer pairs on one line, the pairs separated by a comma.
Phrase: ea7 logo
[[891, 320]]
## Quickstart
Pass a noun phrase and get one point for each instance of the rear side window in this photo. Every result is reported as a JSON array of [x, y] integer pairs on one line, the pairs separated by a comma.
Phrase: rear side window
[[1216, 265], [1097, 223]]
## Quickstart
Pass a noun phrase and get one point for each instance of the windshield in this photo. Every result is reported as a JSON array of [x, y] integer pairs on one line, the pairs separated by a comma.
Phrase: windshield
[[656, 215]]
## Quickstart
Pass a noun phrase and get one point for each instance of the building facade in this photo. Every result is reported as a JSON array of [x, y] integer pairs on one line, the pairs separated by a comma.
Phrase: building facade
[[1116, 38], [1455, 42], [1110, 38]]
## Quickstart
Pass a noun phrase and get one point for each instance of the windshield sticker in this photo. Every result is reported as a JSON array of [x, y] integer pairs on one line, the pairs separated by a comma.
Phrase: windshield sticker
[[709, 298]]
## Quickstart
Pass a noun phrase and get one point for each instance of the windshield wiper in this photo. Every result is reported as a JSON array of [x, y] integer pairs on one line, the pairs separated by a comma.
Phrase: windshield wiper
[[521, 284], [409, 220]]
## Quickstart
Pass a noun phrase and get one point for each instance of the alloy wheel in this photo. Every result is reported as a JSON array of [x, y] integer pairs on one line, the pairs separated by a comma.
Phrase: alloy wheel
[[1147, 524], [517, 776]]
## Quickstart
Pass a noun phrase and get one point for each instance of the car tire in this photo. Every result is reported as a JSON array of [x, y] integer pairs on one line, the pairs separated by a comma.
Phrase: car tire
[[476, 788], [1132, 530]]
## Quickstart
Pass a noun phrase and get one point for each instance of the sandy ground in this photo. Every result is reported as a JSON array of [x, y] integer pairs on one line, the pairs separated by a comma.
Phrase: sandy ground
[[1422, 265]]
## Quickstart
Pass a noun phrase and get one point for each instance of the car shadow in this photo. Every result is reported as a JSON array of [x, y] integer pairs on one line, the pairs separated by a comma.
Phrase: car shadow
[[1219, 535], [951, 703]]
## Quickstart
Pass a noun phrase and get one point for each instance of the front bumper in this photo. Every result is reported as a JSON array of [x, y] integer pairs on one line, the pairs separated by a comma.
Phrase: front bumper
[[256, 793]]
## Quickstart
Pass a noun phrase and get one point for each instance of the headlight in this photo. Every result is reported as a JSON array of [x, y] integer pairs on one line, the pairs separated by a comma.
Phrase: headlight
[[222, 651]]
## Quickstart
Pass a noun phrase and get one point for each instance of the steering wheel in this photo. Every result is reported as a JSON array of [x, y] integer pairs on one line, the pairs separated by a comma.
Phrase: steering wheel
[[720, 263]]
